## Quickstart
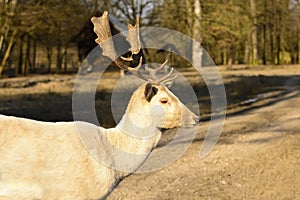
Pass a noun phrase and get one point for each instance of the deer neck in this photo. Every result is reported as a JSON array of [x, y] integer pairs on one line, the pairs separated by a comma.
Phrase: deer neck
[[130, 148], [137, 124], [139, 128], [134, 137]]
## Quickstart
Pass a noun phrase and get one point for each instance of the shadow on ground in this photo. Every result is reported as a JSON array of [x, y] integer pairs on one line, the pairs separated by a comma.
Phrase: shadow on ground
[[263, 90]]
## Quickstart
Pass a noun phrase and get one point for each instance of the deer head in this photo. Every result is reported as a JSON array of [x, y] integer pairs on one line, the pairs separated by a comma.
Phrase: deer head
[[152, 101]]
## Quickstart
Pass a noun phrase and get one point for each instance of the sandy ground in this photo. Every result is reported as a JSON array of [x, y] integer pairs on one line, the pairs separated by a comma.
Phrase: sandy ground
[[256, 157]]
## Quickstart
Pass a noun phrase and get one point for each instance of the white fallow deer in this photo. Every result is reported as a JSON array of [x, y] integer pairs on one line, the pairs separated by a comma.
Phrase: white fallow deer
[[44, 160]]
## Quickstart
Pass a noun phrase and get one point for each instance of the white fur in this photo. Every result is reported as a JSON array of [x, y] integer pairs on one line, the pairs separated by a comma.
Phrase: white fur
[[64, 160]]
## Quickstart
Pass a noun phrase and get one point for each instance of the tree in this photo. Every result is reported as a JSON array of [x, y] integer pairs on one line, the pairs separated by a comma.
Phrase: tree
[[225, 30], [293, 31], [128, 10], [194, 22], [233, 31], [7, 31], [254, 33], [59, 22]]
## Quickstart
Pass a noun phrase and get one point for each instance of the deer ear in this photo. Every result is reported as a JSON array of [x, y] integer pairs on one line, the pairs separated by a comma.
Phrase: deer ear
[[150, 91]]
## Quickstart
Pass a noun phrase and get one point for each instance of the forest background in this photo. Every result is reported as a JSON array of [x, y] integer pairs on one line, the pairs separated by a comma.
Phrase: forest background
[[40, 35]]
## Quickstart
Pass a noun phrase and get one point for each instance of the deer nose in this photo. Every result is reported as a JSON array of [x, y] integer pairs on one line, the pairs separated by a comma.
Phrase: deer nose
[[196, 118]]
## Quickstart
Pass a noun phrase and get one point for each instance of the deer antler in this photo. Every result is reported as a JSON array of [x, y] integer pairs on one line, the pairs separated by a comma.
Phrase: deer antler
[[102, 29], [133, 37], [153, 74]]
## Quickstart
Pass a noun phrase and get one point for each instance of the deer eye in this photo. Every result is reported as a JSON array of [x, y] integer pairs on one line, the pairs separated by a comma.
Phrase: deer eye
[[163, 101]]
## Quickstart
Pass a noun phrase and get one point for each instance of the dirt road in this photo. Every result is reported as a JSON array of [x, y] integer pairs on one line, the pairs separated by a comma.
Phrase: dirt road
[[257, 157]]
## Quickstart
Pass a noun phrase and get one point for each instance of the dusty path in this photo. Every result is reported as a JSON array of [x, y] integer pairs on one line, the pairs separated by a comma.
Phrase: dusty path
[[257, 157]]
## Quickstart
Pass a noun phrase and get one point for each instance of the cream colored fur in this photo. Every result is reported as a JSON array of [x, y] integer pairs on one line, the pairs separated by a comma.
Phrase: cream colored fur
[[43, 160]]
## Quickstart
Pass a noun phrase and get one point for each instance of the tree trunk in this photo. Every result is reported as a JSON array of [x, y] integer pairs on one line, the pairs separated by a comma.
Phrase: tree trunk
[[196, 35], [224, 56], [49, 58], [278, 37], [24, 65], [34, 55], [59, 58], [278, 40], [272, 44], [297, 48], [21, 57], [272, 31], [246, 53], [264, 50], [254, 33], [27, 63], [8, 51], [65, 59]]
